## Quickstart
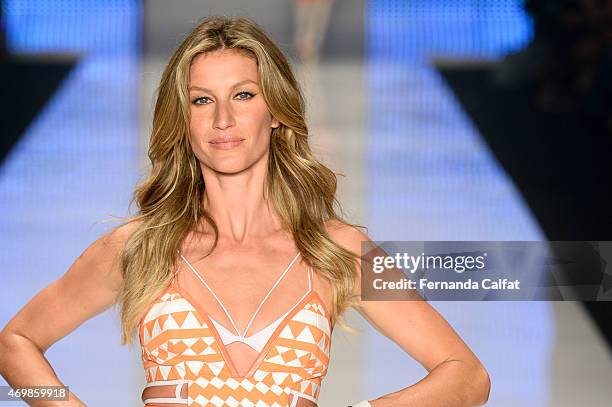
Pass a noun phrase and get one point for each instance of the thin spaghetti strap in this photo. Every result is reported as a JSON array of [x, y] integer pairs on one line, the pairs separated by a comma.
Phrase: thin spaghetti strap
[[268, 294], [243, 335], [212, 292], [310, 278]]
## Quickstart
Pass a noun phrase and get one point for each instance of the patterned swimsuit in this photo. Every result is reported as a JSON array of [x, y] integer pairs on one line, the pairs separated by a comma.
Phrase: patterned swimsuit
[[186, 362]]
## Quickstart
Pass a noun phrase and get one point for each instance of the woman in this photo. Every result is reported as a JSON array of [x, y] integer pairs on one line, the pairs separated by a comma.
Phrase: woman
[[237, 265]]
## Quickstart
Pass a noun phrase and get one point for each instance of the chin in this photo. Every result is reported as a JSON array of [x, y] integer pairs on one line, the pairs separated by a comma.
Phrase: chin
[[234, 164], [228, 168]]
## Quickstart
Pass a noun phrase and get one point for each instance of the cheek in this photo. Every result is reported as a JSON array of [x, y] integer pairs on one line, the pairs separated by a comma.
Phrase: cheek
[[198, 136], [197, 125], [260, 123]]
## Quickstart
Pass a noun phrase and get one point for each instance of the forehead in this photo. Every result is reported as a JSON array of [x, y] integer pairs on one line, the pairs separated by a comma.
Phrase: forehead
[[222, 67]]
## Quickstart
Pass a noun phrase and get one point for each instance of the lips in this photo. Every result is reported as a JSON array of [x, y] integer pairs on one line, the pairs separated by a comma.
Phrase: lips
[[220, 140], [225, 143]]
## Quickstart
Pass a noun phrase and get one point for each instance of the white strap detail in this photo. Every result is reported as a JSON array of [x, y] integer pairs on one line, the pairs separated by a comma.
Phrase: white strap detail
[[310, 277], [256, 341], [166, 382], [297, 395], [212, 292], [269, 292], [177, 399], [164, 400], [294, 400], [363, 403], [260, 304]]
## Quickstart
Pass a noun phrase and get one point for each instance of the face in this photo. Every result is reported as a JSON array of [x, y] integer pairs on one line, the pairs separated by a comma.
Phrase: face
[[230, 121]]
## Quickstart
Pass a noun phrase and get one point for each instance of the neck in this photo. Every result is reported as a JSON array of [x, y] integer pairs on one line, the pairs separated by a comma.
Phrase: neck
[[236, 202]]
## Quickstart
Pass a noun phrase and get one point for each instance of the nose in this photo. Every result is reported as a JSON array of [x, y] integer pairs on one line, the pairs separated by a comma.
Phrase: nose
[[224, 117]]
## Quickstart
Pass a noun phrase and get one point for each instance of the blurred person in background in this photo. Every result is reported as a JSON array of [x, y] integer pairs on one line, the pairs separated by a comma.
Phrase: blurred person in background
[[233, 200], [311, 20]]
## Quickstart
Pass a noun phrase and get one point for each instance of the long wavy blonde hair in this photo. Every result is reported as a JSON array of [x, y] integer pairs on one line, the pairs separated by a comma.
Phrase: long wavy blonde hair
[[301, 189]]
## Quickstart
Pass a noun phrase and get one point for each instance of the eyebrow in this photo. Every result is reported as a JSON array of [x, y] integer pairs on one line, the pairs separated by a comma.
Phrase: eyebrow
[[235, 85]]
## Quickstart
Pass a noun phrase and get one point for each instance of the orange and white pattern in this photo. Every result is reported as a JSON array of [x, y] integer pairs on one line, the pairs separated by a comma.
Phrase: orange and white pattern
[[181, 348]]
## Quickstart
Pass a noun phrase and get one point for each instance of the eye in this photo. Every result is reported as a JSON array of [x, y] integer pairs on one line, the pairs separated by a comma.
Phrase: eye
[[244, 95], [197, 101]]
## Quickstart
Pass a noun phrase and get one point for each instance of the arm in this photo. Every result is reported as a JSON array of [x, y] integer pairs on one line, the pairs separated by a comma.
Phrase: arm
[[89, 287], [456, 377]]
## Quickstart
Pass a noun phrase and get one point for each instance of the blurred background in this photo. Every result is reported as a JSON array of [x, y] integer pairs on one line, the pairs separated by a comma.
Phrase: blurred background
[[450, 120]]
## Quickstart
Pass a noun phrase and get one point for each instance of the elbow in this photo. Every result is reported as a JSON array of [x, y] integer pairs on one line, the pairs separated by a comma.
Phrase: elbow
[[3, 352], [481, 385], [9, 347]]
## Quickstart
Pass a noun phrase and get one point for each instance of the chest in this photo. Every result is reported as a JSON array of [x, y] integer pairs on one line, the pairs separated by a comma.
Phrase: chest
[[242, 277]]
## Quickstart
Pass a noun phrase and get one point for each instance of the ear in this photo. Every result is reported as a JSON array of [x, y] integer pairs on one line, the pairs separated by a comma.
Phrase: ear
[[275, 123]]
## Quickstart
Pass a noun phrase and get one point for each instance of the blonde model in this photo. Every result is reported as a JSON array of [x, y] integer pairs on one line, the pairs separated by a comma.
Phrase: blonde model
[[237, 266]]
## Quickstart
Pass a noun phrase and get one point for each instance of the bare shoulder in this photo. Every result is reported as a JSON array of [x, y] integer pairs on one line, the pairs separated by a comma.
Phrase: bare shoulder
[[124, 231], [119, 236], [351, 238], [104, 255], [348, 236]]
